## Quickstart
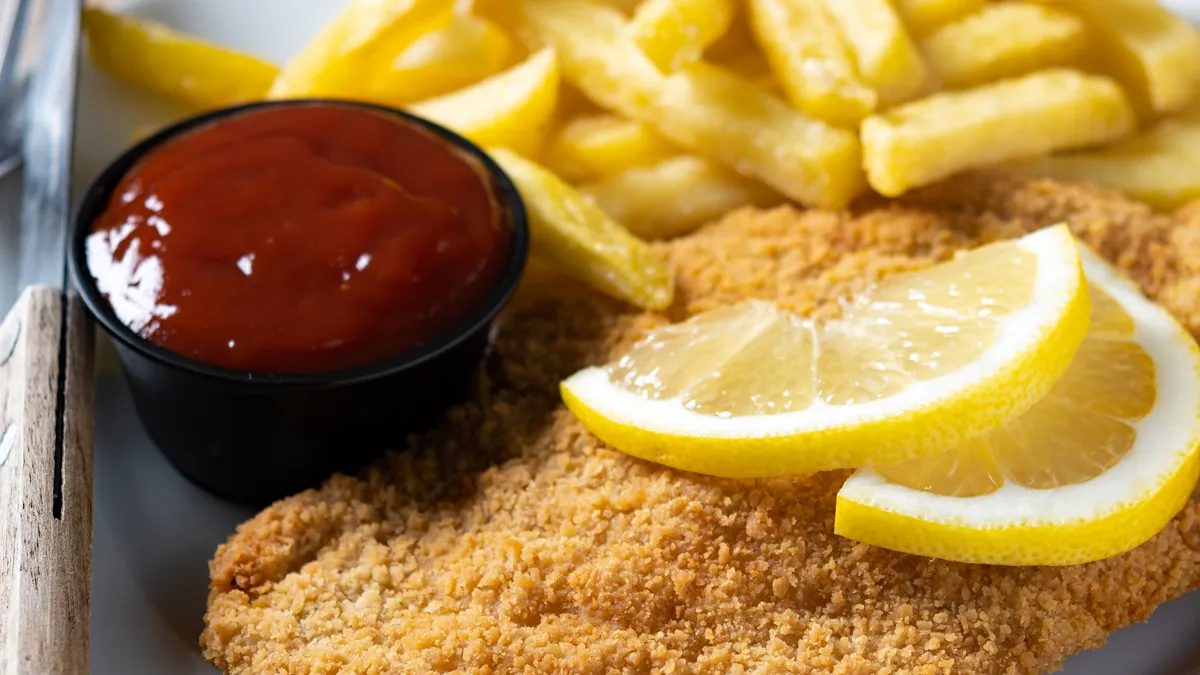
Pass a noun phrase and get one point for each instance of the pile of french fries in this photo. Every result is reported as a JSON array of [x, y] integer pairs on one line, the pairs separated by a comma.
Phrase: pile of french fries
[[816, 100], [666, 114]]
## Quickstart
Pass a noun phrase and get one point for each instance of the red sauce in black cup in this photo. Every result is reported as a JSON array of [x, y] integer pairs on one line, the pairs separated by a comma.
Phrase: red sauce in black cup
[[293, 287], [299, 239]]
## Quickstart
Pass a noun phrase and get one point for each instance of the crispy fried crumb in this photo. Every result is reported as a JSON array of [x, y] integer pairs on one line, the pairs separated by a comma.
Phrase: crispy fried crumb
[[510, 540]]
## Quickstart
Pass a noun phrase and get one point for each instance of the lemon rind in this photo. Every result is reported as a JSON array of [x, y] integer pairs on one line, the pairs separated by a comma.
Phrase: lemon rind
[[1026, 544]]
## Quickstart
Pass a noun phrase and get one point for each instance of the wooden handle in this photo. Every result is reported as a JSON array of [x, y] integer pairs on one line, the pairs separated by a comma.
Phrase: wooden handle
[[45, 485]]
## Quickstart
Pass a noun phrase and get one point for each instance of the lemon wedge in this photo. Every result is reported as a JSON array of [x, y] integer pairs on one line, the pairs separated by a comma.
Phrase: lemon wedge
[[916, 366], [1094, 469]]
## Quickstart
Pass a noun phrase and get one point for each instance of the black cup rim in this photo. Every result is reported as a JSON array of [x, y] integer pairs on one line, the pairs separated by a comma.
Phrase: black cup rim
[[98, 193]]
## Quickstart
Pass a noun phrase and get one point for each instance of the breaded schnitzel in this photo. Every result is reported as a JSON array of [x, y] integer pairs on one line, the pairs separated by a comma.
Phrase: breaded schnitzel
[[510, 540]]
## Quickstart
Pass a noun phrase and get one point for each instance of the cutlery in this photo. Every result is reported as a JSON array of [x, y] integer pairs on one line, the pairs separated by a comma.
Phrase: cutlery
[[46, 384], [15, 18]]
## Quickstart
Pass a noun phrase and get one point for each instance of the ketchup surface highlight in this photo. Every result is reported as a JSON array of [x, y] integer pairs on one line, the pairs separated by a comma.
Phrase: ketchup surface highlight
[[299, 239]]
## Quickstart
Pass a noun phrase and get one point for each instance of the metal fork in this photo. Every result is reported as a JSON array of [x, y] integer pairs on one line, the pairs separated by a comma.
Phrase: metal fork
[[14, 22]]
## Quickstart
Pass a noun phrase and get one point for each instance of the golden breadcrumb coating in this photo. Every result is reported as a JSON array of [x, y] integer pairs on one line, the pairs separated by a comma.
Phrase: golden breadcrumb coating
[[509, 540]]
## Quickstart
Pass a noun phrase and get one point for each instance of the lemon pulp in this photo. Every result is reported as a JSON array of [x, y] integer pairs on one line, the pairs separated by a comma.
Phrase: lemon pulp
[[1084, 426], [919, 364], [753, 359]]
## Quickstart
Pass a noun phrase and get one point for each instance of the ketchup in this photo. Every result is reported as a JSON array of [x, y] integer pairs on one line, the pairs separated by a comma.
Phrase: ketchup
[[298, 239]]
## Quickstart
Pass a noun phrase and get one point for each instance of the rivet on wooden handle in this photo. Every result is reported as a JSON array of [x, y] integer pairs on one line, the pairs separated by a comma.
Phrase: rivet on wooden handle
[[46, 419]]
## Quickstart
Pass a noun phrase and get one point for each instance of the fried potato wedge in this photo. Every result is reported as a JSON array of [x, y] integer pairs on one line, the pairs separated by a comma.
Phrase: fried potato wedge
[[1004, 40], [887, 58], [938, 136], [811, 60], [350, 57], [923, 16], [591, 147], [512, 109], [596, 52], [674, 33], [1151, 51], [1160, 167], [467, 50], [715, 114], [575, 237], [676, 196], [151, 56]]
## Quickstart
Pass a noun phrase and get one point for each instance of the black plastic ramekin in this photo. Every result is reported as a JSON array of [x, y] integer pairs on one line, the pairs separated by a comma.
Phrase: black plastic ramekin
[[257, 437]]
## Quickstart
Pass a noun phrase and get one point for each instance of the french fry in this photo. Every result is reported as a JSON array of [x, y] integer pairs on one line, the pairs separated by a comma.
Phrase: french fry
[[935, 137], [811, 60], [676, 196], [752, 66], [596, 52], [718, 115], [738, 40], [923, 16], [674, 33], [503, 13], [602, 145], [156, 58], [1160, 167], [359, 45], [627, 7], [511, 109], [1151, 51], [465, 51], [738, 52], [1004, 40], [573, 103], [886, 56], [574, 236]]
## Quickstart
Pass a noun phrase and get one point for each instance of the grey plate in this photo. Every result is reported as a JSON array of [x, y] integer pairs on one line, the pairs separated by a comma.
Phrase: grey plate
[[154, 531]]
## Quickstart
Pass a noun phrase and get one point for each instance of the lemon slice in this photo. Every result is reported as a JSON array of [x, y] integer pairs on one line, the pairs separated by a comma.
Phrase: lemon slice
[[919, 364], [1094, 469]]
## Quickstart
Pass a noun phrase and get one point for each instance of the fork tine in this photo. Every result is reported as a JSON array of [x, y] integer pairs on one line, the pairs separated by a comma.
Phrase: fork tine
[[15, 16]]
